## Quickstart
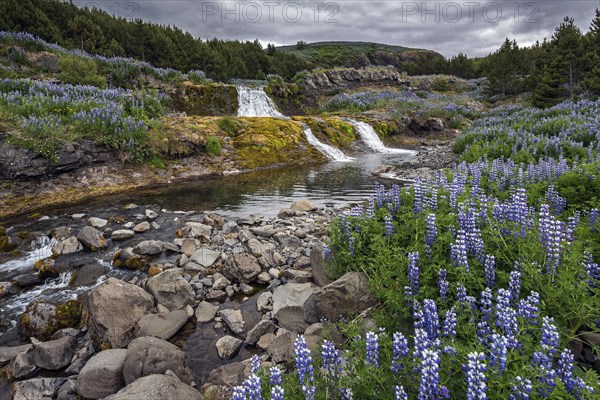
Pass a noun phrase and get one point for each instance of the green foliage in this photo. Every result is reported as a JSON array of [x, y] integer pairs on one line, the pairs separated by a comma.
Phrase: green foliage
[[230, 126], [213, 146], [80, 71]]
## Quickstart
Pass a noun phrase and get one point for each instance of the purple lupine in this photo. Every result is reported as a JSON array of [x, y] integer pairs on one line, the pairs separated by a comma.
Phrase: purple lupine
[[346, 393], [514, 284], [506, 317], [351, 241], [326, 252], [239, 393], [418, 196], [498, 350], [389, 226], [443, 283], [461, 293], [573, 384], [431, 319], [252, 385], [521, 389], [476, 380], [550, 337], [399, 350], [529, 308], [277, 392], [304, 367], [413, 272], [430, 233], [450, 323], [332, 360], [483, 332], [429, 387], [592, 270], [254, 364], [372, 343], [421, 342], [490, 270], [486, 302], [458, 250], [399, 393], [593, 218]]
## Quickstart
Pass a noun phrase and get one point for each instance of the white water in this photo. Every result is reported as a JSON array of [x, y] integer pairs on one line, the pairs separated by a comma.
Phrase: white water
[[254, 102], [42, 248], [330, 152], [372, 140]]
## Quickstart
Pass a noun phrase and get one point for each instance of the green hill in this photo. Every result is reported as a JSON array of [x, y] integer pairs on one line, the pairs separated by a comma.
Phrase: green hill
[[357, 54]]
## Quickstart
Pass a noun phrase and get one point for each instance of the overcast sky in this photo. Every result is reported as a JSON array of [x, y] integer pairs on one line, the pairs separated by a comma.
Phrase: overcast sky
[[448, 27]]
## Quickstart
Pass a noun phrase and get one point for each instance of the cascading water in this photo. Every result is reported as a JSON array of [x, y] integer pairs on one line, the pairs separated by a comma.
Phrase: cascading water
[[372, 140], [254, 102], [330, 152]]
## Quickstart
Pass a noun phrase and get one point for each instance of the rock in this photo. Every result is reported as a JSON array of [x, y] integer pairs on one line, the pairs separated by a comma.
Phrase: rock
[[348, 295], [206, 312], [112, 311], [151, 214], [170, 289], [142, 227], [196, 230], [92, 238], [26, 280], [281, 348], [22, 366], [230, 227], [297, 276], [126, 258], [265, 340], [220, 282], [41, 320], [157, 387], [194, 269], [205, 256], [68, 390], [274, 273], [261, 328], [36, 389], [245, 288], [266, 231], [163, 326], [286, 213], [216, 295], [302, 263], [150, 355], [264, 301], [8, 289], [122, 234], [87, 275], [289, 305], [303, 205], [7, 353], [228, 375], [264, 278], [102, 375], [153, 247], [67, 246], [316, 262], [243, 267], [80, 358], [55, 354], [97, 222], [435, 124], [78, 216], [313, 336], [188, 246], [233, 319], [227, 347]]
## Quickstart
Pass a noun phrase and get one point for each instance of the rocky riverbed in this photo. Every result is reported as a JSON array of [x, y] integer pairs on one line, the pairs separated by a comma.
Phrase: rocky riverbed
[[157, 304]]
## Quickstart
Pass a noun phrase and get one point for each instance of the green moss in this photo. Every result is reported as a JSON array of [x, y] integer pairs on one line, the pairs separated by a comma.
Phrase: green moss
[[68, 314], [230, 126], [332, 130], [137, 262], [213, 146], [105, 346], [206, 99], [5, 245]]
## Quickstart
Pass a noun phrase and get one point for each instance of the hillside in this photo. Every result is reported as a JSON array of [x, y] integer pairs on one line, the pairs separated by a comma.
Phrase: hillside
[[357, 54]]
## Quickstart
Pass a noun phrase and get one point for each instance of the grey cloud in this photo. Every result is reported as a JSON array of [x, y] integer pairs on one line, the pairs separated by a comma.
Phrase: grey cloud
[[398, 22]]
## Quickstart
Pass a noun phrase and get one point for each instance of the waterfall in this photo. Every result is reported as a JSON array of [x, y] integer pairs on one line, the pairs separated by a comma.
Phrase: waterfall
[[254, 102], [330, 152], [372, 140]]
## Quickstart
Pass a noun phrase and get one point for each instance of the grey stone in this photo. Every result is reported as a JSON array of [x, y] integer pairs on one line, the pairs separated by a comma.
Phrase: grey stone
[[298, 276], [157, 387], [7, 353], [243, 267], [7, 288], [188, 246], [163, 326], [68, 390], [316, 262], [197, 230], [67, 246], [216, 295], [97, 222], [37, 388], [261, 328], [264, 301], [54, 354], [150, 355], [349, 294], [88, 275], [265, 340], [230, 227], [227, 346], [228, 375], [102, 375], [281, 348], [142, 227], [206, 312], [220, 282], [80, 358], [153, 247], [91, 238], [233, 319], [289, 305], [22, 366], [113, 309], [205, 256], [27, 280], [170, 289], [151, 214], [303, 205], [122, 234]]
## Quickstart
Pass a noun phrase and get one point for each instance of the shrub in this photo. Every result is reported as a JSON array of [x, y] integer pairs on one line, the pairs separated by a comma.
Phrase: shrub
[[80, 71], [213, 146], [230, 126]]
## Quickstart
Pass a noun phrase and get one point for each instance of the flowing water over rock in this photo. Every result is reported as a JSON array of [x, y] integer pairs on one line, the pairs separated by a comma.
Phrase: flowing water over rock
[[372, 140], [330, 152], [254, 102]]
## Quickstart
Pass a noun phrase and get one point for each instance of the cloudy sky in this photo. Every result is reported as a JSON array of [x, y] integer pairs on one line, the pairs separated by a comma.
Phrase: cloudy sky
[[449, 27]]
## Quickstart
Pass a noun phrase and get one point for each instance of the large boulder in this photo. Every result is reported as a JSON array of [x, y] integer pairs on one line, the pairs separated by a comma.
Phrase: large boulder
[[67, 246], [102, 375], [150, 355], [163, 326], [206, 312], [243, 267], [291, 306], [349, 294], [41, 320], [153, 247], [92, 238], [262, 327], [234, 320], [113, 310], [196, 230], [228, 375], [54, 354], [204, 256], [227, 346], [281, 348], [171, 290], [157, 387], [36, 389]]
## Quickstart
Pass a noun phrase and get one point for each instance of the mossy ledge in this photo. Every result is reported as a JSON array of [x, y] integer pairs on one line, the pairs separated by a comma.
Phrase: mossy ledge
[[205, 99]]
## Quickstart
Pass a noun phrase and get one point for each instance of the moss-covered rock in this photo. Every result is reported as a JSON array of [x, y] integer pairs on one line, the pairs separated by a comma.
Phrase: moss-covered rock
[[41, 320], [125, 258], [331, 129], [46, 268], [206, 99]]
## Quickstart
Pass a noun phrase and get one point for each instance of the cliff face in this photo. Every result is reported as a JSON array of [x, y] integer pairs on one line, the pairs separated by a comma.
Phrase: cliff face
[[347, 78]]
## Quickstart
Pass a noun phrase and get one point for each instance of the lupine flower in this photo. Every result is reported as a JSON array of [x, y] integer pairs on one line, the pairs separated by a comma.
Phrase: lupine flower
[[332, 361], [550, 337], [326, 252], [486, 304], [431, 321], [490, 270], [521, 389], [389, 226], [413, 272], [253, 387], [399, 393], [275, 378], [450, 323], [458, 250], [529, 308], [429, 387], [592, 270], [304, 367], [400, 349], [443, 283], [573, 384], [475, 371], [239, 393], [372, 357], [431, 233], [351, 241], [514, 284], [593, 218], [346, 393], [498, 350], [254, 364]]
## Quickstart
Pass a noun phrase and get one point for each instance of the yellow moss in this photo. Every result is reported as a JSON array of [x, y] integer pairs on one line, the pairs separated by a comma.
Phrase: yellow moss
[[331, 129], [68, 315], [105, 346], [73, 278], [179, 233], [154, 270], [5, 245], [206, 99], [137, 262]]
